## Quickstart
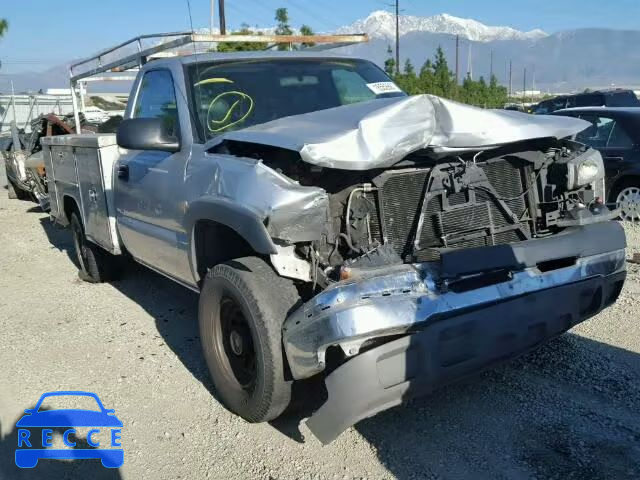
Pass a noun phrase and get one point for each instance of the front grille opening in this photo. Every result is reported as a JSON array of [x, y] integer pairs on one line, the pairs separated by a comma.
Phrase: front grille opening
[[475, 216], [557, 264]]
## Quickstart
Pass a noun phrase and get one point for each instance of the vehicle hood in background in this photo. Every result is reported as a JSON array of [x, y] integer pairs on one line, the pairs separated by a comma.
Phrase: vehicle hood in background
[[380, 133]]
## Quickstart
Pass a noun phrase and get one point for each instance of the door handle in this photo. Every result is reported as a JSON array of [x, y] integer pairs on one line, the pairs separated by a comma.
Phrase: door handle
[[123, 172]]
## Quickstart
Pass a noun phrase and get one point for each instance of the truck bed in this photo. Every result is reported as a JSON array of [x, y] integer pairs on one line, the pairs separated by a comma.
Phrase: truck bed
[[81, 167]]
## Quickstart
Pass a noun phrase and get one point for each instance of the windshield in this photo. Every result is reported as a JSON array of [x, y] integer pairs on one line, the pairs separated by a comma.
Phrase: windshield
[[238, 94]]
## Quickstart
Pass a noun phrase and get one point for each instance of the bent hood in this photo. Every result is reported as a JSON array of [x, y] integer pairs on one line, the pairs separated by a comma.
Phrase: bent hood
[[380, 133]]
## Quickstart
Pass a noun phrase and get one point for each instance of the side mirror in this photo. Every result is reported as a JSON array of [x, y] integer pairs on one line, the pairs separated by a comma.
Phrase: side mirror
[[148, 134]]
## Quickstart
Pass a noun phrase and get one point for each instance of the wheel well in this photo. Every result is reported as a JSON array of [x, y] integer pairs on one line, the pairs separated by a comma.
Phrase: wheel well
[[216, 243], [69, 206], [621, 183]]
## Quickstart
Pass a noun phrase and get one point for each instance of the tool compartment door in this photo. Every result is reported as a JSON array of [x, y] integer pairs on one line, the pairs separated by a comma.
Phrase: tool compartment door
[[93, 196]]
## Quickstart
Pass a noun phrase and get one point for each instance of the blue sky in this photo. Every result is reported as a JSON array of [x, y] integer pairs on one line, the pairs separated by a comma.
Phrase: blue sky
[[43, 33]]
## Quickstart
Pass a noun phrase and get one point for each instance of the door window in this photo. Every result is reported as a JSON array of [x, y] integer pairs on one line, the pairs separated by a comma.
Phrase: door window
[[157, 99], [604, 132]]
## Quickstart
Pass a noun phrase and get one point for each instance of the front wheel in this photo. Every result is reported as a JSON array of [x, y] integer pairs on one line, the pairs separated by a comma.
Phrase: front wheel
[[243, 304], [628, 201]]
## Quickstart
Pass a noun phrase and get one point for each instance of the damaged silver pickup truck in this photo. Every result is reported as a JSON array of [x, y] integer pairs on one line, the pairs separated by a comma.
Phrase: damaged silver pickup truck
[[335, 226]]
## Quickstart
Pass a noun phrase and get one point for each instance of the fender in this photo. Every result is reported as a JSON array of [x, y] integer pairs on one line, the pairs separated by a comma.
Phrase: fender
[[245, 221]]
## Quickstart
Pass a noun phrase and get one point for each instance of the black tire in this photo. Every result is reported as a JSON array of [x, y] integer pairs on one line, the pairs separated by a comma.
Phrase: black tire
[[95, 265], [248, 292]]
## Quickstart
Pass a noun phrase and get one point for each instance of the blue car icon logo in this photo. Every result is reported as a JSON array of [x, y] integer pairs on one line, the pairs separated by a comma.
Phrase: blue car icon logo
[[34, 444]]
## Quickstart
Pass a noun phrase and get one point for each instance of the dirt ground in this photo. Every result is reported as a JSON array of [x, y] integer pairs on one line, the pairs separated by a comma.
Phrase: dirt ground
[[570, 410]]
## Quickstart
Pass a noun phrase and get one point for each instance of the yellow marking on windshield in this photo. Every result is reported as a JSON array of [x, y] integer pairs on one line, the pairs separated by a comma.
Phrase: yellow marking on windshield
[[215, 126], [207, 81]]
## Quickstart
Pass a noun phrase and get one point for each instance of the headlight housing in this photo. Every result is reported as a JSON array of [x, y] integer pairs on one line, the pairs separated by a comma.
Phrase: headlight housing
[[579, 171]]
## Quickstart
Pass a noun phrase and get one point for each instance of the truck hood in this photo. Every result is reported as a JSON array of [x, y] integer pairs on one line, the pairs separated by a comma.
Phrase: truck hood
[[380, 133]]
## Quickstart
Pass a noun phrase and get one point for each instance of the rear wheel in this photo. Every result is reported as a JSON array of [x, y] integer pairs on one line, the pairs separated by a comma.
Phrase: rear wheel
[[243, 304], [628, 201], [95, 265]]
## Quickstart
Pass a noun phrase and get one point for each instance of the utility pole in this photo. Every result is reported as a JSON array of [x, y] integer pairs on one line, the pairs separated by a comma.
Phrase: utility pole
[[533, 84], [223, 23], [511, 78], [13, 103], [457, 59], [524, 86], [470, 64], [211, 19], [397, 36]]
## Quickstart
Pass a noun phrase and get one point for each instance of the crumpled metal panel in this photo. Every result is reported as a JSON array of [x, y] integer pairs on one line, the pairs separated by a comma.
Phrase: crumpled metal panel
[[294, 213], [379, 133]]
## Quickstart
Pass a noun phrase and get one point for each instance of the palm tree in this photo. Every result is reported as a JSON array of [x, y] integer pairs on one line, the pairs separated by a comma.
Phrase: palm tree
[[4, 25]]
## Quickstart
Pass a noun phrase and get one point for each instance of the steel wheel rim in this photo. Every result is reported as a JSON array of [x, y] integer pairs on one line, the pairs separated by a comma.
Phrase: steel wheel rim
[[234, 344], [629, 202]]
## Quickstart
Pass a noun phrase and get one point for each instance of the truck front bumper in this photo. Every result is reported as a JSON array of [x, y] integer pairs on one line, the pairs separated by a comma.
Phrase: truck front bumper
[[447, 350], [407, 298], [455, 316]]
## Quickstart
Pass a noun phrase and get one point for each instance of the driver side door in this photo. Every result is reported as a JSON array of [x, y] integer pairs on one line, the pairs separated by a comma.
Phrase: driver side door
[[148, 184]]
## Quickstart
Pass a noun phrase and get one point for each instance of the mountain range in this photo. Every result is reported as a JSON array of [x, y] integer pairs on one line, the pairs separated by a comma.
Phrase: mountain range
[[558, 62]]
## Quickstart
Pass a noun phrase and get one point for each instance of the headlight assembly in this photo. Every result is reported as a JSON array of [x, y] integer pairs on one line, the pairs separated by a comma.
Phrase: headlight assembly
[[579, 171]]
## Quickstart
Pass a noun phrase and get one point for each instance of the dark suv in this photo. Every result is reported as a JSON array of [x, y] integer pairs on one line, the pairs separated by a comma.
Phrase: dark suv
[[600, 98]]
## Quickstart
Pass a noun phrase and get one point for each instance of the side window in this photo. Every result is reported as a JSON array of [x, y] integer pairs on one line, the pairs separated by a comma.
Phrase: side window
[[157, 99], [351, 87], [603, 132], [558, 104], [619, 138]]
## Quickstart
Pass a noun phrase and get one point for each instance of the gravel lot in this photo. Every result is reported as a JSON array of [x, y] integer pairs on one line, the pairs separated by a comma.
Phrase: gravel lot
[[568, 411]]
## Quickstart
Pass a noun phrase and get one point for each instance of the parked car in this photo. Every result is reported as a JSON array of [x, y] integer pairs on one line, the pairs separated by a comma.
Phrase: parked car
[[334, 225], [600, 98], [26, 175], [615, 132]]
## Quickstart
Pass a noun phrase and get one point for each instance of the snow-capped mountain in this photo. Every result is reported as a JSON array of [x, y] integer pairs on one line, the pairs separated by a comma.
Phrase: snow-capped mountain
[[382, 24]]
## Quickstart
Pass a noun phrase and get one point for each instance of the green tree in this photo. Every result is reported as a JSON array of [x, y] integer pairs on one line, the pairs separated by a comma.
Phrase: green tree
[[390, 63], [426, 79], [444, 81], [4, 26], [497, 94], [242, 46], [408, 80], [283, 27], [307, 31]]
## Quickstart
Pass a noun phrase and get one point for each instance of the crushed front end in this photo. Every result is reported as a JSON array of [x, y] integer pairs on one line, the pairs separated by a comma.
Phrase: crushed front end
[[428, 239], [443, 265]]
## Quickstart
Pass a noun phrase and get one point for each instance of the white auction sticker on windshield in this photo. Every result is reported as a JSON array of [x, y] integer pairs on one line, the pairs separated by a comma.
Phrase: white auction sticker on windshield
[[383, 87]]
